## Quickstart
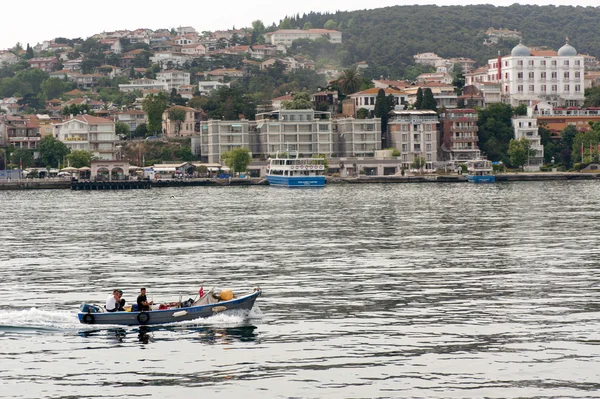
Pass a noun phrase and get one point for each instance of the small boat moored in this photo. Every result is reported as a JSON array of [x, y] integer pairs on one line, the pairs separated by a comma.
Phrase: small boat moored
[[480, 171], [209, 304]]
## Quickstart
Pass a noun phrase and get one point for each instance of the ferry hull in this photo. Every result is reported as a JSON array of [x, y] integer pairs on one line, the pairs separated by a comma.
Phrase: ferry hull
[[296, 181], [482, 179]]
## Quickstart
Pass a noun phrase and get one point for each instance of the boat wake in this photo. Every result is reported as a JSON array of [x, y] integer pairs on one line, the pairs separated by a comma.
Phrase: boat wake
[[34, 319]]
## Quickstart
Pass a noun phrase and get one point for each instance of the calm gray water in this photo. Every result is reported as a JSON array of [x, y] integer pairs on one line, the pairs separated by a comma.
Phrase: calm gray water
[[374, 291]]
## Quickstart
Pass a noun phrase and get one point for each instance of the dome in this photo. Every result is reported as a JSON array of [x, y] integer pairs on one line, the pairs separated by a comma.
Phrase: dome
[[567, 51], [520, 51]]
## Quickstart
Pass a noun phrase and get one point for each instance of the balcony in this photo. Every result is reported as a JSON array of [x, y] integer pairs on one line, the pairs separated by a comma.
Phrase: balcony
[[465, 138]]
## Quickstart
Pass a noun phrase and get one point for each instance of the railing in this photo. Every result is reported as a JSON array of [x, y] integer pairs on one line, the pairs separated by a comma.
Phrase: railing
[[472, 138]]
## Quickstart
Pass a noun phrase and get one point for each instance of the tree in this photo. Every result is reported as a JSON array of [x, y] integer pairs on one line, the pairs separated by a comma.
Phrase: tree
[[141, 130], [122, 130], [584, 145], [197, 102], [237, 159], [52, 151], [307, 26], [184, 153], [350, 81], [592, 97], [154, 106], [258, 27], [428, 100], [80, 158], [418, 163], [495, 131], [419, 101], [28, 52], [22, 158], [383, 105], [519, 152], [53, 88], [177, 114], [299, 101], [330, 24], [362, 113]]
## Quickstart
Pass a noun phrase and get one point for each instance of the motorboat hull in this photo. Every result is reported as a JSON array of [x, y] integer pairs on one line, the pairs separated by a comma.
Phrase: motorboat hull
[[172, 315]]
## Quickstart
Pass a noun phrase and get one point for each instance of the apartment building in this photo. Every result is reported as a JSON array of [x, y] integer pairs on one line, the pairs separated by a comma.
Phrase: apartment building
[[415, 134], [459, 135]]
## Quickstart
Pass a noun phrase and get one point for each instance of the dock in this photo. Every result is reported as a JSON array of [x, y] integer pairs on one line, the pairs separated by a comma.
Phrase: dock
[[111, 185]]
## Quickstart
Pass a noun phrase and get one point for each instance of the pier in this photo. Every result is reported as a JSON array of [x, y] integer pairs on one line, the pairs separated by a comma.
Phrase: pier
[[111, 185]]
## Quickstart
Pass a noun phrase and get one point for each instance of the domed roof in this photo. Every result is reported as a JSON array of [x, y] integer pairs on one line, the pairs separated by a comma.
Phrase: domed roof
[[520, 51], [567, 51]]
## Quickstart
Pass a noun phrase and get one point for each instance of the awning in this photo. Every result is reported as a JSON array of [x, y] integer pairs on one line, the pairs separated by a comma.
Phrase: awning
[[213, 169], [225, 169], [236, 125]]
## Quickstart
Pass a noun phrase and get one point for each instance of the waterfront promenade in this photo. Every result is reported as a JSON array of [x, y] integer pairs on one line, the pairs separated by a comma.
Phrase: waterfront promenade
[[40, 184]]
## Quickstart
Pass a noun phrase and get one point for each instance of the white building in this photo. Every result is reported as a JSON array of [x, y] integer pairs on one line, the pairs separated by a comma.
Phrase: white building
[[205, 87], [431, 59], [287, 36], [525, 126], [143, 84], [89, 133], [415, 134], [173, 78], [526, 76]]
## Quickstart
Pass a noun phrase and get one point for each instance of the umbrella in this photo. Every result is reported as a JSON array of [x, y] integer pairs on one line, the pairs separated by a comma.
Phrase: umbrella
[[83, 169], [69, 169], [65, 174]]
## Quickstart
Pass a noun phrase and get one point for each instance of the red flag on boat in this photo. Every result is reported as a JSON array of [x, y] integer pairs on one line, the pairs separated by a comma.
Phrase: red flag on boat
[[201, 292]]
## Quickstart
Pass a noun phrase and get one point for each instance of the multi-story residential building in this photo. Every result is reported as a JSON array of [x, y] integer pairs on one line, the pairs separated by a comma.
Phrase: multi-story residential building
[[132, 118], [205, 87], [494, 35], [439, 77], [143, 84], [367, 98], [22, 132], [170, 60], [305, 131], [459, 135], [415, 134], [556, 119], [526, 76], [444, 94], [430, 59], [356, 137], [287, 36], [46, 64], [8, 58], [173, 78], [87, 81], [89, 133], [190, 126], [219, 137], [525, 126]]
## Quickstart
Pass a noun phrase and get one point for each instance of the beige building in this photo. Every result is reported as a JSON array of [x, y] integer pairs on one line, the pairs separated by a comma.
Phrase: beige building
[[173, 78], [415, 134], [89, 133], [172, 128], [287, 36]]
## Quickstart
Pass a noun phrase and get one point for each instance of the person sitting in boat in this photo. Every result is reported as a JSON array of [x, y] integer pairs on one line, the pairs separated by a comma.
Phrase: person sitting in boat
[[142, 301], [114, 302]]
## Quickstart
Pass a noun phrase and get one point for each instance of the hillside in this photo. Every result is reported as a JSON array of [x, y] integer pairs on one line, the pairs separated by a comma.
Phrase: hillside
[[387, 38]]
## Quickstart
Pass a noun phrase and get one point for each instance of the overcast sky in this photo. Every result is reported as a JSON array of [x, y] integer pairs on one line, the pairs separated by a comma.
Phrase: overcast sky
[[35, 20]]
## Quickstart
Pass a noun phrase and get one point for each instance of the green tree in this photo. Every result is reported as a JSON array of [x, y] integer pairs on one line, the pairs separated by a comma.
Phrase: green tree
[[307, 26], [28, 53], [299, 101], [428, 100], [418, 163], [80, 158], [198, 102], [362, 113], [419, 101], [141, 130], [519, 152], [585, 146], [330, 24], [237, 159], [177, 115], [285, 24], [122, 130], [23, 157], [184, 153], [154, 106], [53, 88], [350, 81], [592, 97], [383, 105], [52, 151], [258, 27], [495, 131]]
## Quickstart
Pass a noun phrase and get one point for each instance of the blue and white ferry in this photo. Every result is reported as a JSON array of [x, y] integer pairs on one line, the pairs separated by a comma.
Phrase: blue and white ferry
[[480, 171], [296, 172]]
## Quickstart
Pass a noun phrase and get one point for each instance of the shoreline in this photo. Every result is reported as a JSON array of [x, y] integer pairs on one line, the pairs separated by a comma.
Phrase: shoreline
[[36, 184]]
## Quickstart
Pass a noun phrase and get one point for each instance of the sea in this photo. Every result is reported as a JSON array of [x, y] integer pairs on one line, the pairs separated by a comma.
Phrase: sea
[[368, 291]]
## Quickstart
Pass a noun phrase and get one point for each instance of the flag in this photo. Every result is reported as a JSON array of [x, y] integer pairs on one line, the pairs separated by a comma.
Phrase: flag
[[201, 292]]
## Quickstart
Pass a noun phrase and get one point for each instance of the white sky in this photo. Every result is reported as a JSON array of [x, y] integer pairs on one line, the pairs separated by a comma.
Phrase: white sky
[[35, 20]]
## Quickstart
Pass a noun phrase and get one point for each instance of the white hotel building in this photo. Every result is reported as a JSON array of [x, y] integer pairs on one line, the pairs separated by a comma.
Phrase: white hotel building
[[526, 76]]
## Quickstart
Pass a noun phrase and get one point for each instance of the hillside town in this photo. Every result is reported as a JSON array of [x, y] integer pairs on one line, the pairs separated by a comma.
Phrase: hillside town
[[341, 119]]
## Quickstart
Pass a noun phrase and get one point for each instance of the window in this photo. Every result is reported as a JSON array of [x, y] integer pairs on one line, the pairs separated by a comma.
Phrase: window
[[506, 75], [428, 128], [543, 62], [428, 137], [554, 88], [566, 75], [531, 88], [404, 147], [405, 128], [543, 89], [554, 63], [566, 63], [543, 75], [567, 88], [531, 75], [405, 138], [417, 137], [519, 75], [417, 148], [577, 62], [428, 157], [428, 147], [531, 62], [520, 88], [577, 75], [554, 75], [577, 88], [520, 63]]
